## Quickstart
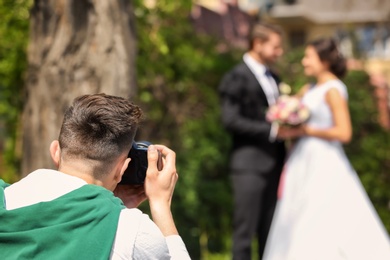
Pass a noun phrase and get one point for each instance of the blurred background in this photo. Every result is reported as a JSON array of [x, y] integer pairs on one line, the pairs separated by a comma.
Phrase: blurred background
[[169, 56]]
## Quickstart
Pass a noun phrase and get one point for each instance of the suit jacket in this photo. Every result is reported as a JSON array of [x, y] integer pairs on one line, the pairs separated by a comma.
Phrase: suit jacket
[[244, 105]]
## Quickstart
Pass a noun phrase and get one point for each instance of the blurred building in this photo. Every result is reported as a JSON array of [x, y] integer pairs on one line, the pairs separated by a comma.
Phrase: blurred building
[[359, 24], [224, 20], [362, 28]]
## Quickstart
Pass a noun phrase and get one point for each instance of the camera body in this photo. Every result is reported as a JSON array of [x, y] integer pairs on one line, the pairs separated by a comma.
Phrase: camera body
[[136, 171]]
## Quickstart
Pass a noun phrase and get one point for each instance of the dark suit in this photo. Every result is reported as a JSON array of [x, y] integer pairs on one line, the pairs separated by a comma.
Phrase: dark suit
[[256, 162]]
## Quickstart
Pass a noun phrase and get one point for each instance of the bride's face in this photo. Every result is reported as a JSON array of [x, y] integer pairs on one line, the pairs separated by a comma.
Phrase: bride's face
[[311, 62]]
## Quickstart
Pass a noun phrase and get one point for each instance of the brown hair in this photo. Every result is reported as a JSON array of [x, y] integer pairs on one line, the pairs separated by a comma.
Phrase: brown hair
[[262, 32], [98, 128], [327, 51]]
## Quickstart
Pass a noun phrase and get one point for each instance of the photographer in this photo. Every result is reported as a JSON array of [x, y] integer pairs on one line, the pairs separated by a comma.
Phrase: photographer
[[72, 213]]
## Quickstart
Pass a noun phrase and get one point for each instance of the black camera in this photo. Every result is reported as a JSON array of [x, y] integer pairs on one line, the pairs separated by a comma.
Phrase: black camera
[[136, 170]]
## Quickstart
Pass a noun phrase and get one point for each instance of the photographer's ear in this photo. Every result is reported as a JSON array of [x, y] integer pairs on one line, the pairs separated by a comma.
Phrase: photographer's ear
[[55, 152], [124, 167]]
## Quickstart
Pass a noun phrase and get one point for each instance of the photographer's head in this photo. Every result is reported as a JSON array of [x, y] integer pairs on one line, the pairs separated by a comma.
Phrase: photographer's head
[[95, 138]]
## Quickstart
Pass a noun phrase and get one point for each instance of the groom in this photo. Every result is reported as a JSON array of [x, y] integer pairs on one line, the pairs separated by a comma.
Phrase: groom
[[257, 155]]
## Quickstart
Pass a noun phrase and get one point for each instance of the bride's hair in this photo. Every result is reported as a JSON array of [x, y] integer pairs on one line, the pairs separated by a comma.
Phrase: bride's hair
[[328, 51]]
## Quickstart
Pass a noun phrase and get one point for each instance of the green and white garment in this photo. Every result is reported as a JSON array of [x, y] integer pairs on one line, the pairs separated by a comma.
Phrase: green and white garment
[[78, 225]]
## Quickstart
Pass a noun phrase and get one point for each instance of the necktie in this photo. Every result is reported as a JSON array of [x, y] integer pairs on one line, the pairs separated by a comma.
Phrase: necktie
[[268, 73], [272, 82]]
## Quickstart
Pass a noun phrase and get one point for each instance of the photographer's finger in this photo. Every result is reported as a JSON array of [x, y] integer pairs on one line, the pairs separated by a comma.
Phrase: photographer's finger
[[168, 155], [152, 158]]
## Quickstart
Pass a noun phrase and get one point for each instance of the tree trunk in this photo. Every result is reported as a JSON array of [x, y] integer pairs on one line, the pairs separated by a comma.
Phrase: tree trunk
[[76, 47]]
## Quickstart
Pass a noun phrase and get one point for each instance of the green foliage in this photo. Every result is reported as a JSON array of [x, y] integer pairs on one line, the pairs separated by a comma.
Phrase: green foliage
[[178, 73], [291, 70], [14, 36]]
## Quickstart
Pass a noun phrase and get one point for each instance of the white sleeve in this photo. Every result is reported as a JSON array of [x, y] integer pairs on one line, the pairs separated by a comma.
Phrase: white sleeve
[[177, 248], [150, 242], [138, 237], [274, 132]]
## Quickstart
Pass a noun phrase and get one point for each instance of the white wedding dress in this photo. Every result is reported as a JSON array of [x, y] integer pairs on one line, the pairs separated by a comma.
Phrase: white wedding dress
[[323, 211]]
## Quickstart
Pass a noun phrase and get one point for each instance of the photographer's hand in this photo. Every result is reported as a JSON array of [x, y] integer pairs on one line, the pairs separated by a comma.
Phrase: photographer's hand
[[131, 195], [159, 187]]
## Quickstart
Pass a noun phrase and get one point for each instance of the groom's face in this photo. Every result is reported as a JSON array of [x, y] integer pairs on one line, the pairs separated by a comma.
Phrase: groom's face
[[270, 50]]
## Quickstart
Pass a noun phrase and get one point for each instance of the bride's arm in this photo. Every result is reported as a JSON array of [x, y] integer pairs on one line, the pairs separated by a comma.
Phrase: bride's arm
[[342, 129]]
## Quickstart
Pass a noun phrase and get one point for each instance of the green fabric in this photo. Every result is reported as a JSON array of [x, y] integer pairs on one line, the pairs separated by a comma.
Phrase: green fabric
[[79, 225]]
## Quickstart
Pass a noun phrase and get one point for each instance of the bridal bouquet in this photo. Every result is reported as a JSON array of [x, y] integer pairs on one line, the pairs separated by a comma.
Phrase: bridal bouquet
[[288, 110]]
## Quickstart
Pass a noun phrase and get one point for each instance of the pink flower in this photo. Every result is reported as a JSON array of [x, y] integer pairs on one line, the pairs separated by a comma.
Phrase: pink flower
[[288, 110]]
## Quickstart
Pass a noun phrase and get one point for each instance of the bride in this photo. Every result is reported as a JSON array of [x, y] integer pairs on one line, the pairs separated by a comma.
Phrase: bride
[[323, 211]]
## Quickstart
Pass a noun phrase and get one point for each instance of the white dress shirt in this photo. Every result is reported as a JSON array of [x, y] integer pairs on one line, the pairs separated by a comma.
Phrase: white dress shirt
[[268, 85]]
